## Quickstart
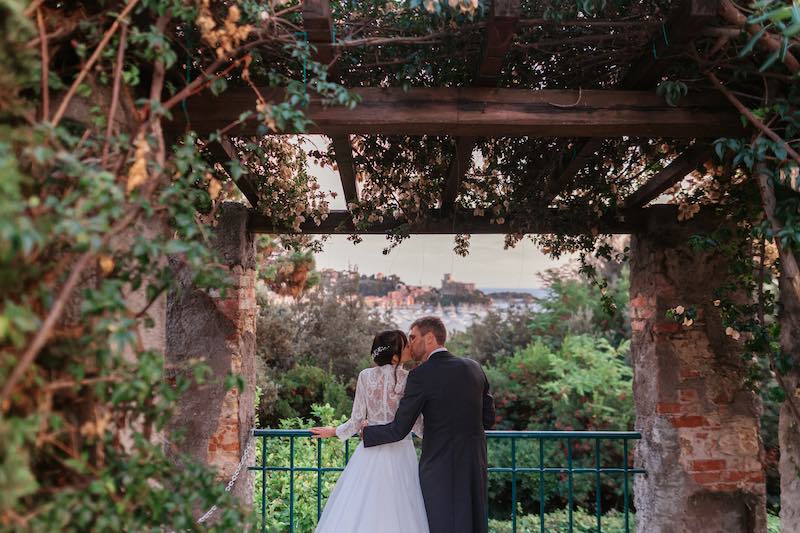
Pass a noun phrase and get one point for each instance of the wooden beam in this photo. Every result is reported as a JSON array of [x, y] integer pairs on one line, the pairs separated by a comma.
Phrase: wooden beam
[[222, 151], [486, 112], [500, 29], [565, 175], [458, 168], [439, 223], [673, 173], [683, 26], [318, 24], [343, 153]]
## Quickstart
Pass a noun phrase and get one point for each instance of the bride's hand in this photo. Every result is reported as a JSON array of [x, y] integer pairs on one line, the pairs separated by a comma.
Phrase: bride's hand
[[323, 432]]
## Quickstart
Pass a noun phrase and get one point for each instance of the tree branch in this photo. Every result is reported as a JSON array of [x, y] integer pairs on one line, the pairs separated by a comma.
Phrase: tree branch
[[115, 91], [731, 14], [45, 66], [92, 60], [751, 117], [57, 309]]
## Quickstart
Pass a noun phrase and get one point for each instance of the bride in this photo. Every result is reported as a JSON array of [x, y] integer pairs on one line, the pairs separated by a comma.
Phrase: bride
[[379, 489]]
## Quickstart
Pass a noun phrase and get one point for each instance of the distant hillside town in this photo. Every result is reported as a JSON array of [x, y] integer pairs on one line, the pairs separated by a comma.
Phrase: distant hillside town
[[389, 291]]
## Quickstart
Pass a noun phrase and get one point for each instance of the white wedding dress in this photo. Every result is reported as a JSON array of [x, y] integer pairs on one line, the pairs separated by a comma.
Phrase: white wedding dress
[[379, 491]]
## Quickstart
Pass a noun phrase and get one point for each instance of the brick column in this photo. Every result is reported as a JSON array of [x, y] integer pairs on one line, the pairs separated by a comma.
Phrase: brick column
[[220, 331], [701, 444]]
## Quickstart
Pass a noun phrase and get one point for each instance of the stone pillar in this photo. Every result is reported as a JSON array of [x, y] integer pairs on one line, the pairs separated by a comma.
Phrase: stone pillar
[[219, 331], [701, 443], [788, 429]]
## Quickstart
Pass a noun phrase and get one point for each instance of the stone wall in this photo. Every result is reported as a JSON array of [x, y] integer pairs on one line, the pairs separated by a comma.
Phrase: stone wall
[[701, 443], [218, 329]]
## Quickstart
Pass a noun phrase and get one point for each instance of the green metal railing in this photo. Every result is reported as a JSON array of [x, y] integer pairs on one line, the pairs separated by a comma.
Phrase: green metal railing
[[587, 462]]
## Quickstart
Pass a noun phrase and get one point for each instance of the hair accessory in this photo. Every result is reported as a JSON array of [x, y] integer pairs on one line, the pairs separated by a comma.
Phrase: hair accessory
[[377, 351]]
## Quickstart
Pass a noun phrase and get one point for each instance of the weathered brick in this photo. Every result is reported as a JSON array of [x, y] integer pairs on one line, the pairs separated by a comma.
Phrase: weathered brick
[[704, 478], [689, 373], [668, 408], [689, 421], [705, 465], [688, 395], [666, 327]]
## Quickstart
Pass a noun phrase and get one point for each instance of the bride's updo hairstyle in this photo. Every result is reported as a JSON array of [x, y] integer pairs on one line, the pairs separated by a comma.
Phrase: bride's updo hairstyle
[[386, 345]]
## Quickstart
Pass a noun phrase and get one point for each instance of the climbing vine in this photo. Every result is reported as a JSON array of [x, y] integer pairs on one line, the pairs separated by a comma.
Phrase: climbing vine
[[89, 161]]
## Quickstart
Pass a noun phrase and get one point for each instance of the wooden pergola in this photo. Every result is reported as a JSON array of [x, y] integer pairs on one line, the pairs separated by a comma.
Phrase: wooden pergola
[[631, 109]]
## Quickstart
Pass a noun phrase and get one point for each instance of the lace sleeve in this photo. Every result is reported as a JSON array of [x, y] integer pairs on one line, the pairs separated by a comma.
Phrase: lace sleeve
[[419, 427], [359, 414]]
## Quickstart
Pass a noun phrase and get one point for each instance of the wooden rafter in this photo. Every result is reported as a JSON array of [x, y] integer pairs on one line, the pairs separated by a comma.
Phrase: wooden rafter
[[318, 23], [683, 27], [222, 151], [343, 151], [673, 173], [500, 29], [455, 174], [477, 111]]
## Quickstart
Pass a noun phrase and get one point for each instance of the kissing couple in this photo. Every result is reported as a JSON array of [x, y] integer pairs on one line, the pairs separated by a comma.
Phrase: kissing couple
[[445, 401]]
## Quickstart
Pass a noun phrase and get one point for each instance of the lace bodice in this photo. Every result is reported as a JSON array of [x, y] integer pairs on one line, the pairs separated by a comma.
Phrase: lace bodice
[[377, 398]]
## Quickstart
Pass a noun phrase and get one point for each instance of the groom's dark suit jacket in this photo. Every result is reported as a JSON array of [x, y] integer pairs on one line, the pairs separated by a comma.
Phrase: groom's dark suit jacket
[[453, 395]]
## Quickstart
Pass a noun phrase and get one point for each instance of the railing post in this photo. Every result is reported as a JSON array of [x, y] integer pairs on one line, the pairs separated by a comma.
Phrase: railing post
[[597, 488], [625, 481], [541, 485], [291, 484], [570, 496], [263, 482], [514, 484], [319, 478]]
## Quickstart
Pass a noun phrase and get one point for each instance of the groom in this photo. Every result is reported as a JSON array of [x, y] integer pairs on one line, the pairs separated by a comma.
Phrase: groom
[[452, 394]]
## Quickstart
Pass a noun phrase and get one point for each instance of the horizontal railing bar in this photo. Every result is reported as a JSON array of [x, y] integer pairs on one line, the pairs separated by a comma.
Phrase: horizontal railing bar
[[492, 469], [558, 470], [299, 469], [494, 434]]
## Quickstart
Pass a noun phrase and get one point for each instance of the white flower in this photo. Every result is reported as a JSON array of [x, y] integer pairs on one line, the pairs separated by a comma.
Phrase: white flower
[[679, 310]]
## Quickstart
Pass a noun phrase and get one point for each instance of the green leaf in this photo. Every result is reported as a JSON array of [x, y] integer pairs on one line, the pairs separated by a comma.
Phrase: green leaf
[[218, 86], [752, 42], [773, 57]]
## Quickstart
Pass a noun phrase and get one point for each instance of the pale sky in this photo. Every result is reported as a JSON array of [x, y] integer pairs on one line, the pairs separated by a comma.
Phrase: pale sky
[[424, 259]]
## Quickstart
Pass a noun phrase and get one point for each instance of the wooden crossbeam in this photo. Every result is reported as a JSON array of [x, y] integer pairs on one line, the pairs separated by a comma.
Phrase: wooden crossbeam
[[673, 173], [682, 27], [343, 153], [222, 151], [439, 223], [476, 111]]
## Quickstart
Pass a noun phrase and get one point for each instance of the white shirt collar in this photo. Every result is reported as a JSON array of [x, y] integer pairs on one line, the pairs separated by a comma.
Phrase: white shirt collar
[[437, 350]]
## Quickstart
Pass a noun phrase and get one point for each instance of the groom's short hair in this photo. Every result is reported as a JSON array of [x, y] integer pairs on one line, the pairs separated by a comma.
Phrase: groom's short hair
[[431, 324]]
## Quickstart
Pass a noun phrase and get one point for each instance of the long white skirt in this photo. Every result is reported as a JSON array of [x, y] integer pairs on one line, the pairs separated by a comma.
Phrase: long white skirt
[[378, 492]]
